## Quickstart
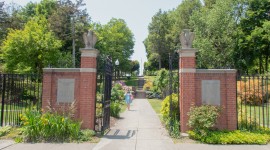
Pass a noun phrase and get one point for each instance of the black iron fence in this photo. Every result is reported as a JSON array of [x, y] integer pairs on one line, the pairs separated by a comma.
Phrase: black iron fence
[[19, 92], [103, 94], [253, 102]]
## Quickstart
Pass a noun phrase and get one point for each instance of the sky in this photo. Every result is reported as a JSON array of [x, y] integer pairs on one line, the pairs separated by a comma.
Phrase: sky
[[136, 13]]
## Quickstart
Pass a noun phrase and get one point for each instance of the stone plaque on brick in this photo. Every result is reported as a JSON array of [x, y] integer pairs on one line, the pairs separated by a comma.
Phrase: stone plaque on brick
[[65, 90], [211, 92]]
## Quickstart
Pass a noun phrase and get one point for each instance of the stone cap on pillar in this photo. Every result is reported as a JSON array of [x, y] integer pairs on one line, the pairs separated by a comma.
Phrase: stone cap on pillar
[[187, 52], [89, 52]]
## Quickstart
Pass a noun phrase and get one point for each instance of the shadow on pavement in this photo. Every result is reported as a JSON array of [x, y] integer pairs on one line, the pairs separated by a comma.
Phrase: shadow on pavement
[[120, 134]]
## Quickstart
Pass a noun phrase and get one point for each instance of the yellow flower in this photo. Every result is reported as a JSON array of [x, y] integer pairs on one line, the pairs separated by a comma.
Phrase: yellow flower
[[63, 119]]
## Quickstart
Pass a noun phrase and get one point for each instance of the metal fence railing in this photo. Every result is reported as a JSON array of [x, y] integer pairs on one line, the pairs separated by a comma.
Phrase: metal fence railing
[[19, 92], [253, 102]]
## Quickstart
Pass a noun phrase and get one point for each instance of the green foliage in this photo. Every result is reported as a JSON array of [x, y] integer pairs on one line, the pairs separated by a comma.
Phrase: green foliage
[[165, 107], [48, 127], [5, 130], [215, 30], [253, 40], [86, 135], [162, 80], [117, 40], [135, 66], [175, 128], [35, 41], [115, 109], [203, 118], [157, 43], [163, 37], [117, 93], [232, 137], [171, 123]]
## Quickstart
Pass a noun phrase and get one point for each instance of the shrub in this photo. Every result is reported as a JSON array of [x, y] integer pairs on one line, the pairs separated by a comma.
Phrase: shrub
[[117, 93], [5, 130], [115, 109], [203, 118], [48, 127], [250, 91], [232, 137], [86, 135], [148, 85], [174, 128], [165, 107]]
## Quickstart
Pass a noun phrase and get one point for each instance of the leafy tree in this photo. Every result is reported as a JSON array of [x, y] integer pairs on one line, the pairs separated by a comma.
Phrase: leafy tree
[[135, 66], [157, 41], [30, 49], [9, 18], [115, 40], [164, 33], [67, 20], [215, 34], [253, 43]]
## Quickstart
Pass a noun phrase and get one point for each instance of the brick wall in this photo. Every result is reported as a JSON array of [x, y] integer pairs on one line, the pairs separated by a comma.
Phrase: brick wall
[[84, 88], [49, 95], [191, 90], [227, 119]]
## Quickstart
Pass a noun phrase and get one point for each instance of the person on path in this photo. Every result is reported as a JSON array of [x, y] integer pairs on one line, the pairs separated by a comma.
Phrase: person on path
[[128, 98]]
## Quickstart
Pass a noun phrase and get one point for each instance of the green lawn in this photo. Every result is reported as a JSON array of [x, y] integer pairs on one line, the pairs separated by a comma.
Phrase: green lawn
[[133, 81], [255, 113], [156, 105]]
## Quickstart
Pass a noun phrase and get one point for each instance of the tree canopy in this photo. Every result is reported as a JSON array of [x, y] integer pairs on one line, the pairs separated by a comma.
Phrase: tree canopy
[[30, 49], [50, 32], [228, 34], [116, 40]]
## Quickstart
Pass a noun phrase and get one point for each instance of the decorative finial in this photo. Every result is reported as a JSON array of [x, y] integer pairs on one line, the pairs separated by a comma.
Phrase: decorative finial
[[186, 38], [90, 39]]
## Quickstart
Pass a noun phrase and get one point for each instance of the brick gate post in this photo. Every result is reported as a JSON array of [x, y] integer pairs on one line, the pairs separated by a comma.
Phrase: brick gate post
[[88, 75], [187, 65]]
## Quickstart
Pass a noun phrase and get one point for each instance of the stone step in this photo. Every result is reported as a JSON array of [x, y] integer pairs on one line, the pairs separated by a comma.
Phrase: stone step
[[140, 94]]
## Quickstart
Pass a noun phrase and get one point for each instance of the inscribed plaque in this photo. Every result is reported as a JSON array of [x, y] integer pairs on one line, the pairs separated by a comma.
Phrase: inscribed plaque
[[211, 92], [65, 90]]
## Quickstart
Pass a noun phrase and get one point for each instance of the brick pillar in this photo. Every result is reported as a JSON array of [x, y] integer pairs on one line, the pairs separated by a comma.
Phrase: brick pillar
[[88, 87], [187, 65], [46, 90]]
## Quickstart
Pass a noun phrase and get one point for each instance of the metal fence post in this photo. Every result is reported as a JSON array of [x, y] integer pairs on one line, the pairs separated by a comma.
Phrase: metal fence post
[[3, 99]]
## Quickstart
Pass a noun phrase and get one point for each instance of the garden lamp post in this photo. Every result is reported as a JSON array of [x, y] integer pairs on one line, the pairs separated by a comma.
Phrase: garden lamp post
[[116, 64]]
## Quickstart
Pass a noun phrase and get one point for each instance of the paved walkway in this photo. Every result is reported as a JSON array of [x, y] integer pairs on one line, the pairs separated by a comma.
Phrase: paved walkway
[[139, 129]]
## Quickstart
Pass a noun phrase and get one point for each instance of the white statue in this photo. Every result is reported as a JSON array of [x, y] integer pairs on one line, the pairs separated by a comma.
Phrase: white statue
[[186, 38], [89, 39]]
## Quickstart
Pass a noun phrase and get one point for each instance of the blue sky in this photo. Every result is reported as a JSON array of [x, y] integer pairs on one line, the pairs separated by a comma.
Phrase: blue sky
[[136, 13]]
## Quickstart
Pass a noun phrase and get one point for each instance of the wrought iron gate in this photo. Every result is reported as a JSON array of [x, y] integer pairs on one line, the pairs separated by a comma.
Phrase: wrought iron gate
[[174, 90], [103, 94]]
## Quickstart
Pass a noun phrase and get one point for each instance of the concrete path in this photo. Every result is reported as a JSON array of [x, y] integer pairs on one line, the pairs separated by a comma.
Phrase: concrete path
[[139, 129]]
